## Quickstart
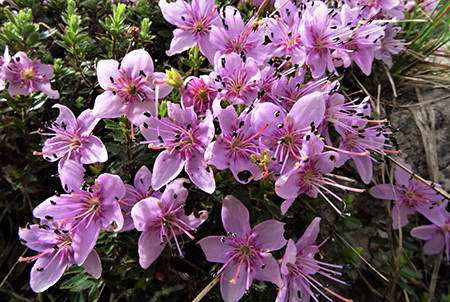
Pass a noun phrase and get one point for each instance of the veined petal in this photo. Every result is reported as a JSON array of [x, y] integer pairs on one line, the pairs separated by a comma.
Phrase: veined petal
[[149, 247], [84, 239], [182, 40], [66, 116], [235, 217], [271, 271], [143, 179], [135, 61], [167, 166], [87, 122], [92, 265], [196, 169], [93, 151], [310, 235], [42, 280], [108, 105], [383, 191], [234, 292], [269, 235], [107, 69], [216, 250]]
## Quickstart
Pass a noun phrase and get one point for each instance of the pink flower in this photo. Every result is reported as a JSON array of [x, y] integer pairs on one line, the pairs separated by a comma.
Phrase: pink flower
[[161, 219], [74, 145], [26, 76], [245, 251]]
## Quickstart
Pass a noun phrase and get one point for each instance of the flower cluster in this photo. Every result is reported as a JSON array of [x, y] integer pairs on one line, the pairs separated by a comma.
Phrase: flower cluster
[[255, 114]]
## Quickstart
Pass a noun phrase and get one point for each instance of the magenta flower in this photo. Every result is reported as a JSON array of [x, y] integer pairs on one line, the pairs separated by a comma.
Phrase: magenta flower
[[90, 211], [73, 144], [437, 234], [194, 21], [285, 132], [411, 196], [129, 89], [185, 140], [235, 145], [245, 251], [54, 244], [237, 78], [320, 36], [26, 76], [235, 36], [161, 219], [298, 266], [200, 93], [142, 189], [307, 176]]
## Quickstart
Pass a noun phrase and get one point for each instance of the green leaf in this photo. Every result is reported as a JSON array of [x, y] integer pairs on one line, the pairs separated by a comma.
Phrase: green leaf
[[352, 223], [78, 279]]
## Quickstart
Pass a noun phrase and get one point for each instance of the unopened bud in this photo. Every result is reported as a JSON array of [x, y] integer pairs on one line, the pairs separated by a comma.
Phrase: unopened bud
[[174, 78]]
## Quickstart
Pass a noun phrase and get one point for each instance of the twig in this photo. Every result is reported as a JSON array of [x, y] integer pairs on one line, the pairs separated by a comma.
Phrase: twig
[[434, 277], [362, 258], [12, 268], [391, 80], [207, 289], [373, 290]]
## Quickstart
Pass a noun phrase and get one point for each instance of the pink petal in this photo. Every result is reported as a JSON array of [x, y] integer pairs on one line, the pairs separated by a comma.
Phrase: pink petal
[[71, 173], [404, 210], [167, 166], [234, 292], [146, 214], [143, 179], [383, 191], [216, 250], [235, 217], [310, 235], [108, 105], [84, 239], [425, 232], [182, 40], [135, 61], [87, 122], [364, 166], [401, 176], [269, 235], [93, 151], [149, 247], [434, 245], [271, 271], [92, 265], [196, 169], [136, 109], [110, 187], [107, 69], [42, 280], [66, 116], [47, 89]]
